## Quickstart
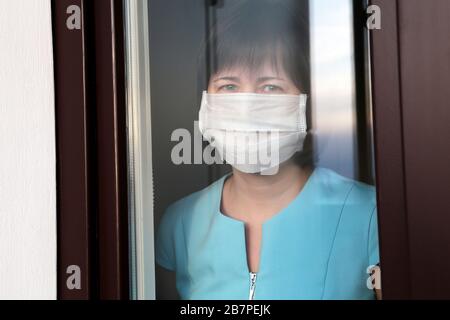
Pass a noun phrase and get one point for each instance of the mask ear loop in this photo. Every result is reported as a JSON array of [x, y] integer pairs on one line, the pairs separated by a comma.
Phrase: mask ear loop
[[302, 126], [202, 113]]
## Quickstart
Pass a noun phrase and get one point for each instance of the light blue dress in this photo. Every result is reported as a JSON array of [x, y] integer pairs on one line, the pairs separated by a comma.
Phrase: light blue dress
[[318, 247]]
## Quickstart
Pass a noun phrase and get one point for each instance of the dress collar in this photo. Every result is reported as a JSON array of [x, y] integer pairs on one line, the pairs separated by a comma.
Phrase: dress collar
[[301, 197]]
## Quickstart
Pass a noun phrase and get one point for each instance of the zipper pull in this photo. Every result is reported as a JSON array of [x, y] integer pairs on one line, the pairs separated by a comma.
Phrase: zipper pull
[[252, 285]]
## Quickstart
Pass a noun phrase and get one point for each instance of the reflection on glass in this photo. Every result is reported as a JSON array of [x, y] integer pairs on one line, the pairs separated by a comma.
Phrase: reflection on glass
[[251, 150], [333, 85]]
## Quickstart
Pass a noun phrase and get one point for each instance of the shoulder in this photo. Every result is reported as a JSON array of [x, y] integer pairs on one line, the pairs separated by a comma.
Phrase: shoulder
[[347, 191], [195, 203], [175, 222], [354, 202], [356, 209]]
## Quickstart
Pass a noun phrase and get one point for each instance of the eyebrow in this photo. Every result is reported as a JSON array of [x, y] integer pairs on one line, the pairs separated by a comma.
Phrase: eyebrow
[[264, 79], [237, 79]]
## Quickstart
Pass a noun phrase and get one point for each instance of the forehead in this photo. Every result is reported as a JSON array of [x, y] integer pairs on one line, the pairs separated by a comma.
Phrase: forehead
[[266, 69]]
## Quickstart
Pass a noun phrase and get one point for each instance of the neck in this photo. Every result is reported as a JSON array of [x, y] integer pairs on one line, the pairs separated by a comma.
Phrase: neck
[[260, 196]]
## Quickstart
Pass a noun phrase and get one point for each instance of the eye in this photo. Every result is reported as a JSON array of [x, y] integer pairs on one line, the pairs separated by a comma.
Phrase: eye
[[271, 88], [228, 88]]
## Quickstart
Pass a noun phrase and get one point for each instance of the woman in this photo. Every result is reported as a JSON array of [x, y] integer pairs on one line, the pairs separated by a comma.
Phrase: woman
[[275, 229]]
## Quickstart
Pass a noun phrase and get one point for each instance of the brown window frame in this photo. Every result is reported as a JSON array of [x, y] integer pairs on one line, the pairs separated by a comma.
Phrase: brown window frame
[[410, 75], [389, 157], [91, 149]]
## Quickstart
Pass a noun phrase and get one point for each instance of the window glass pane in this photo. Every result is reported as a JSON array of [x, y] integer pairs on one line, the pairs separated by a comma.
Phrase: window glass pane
[[250, 150]]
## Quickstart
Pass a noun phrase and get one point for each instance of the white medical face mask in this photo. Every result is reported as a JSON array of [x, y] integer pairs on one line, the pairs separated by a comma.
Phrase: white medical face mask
[[254, 133]]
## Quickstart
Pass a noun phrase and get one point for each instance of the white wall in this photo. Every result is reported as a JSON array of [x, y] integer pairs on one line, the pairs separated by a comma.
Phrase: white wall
[[27, 152]]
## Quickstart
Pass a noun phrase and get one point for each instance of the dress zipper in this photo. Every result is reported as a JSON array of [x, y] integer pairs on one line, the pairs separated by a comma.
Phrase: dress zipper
[[252, 285]]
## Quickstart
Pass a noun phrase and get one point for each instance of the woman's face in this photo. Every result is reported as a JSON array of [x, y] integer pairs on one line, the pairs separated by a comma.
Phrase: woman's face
[[265, 80]]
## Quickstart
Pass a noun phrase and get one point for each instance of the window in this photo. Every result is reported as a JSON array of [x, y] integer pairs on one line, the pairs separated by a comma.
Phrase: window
[[286, 63]]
